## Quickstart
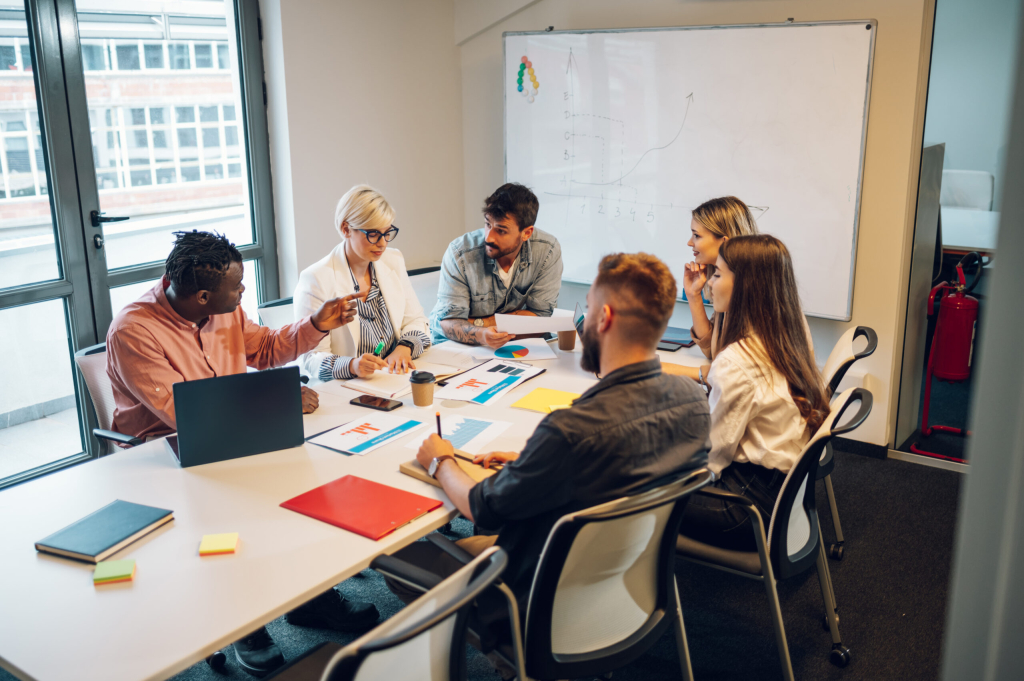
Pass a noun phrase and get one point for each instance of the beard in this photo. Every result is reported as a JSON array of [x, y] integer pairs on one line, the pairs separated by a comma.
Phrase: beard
[[500, 253], [591, 359]]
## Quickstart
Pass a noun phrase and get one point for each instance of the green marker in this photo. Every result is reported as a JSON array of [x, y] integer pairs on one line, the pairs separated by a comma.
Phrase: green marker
[[380, 349]]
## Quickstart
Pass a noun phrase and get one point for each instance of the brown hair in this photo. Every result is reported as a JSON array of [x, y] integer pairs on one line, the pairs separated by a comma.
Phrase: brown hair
[[646, 288], [725, 216], [765, 304]]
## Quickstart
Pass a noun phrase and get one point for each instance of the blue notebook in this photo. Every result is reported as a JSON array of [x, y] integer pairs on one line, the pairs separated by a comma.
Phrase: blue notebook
[[105, 532]]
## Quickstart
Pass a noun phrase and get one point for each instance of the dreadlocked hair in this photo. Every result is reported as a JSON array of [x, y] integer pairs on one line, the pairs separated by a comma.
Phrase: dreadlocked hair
[[199, 261]]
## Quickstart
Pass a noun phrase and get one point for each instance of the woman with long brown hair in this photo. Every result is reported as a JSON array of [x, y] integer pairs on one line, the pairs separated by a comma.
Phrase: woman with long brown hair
[[713, 223], [767, 396]]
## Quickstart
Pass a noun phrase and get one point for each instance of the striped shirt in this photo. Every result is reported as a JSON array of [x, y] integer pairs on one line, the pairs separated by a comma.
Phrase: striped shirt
[[375, 327]]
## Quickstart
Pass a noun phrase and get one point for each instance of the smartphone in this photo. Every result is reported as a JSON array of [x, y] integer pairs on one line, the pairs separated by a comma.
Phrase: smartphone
[[669, 347], [378, 403]]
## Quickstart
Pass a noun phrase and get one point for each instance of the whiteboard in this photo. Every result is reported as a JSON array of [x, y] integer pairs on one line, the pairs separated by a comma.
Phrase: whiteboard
[[628, 131]]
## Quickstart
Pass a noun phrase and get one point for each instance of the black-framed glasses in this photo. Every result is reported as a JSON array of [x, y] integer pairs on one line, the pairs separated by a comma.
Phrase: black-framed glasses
[[373, 236]]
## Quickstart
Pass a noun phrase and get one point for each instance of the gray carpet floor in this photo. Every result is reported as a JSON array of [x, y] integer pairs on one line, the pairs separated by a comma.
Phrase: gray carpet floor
[[891, 586]]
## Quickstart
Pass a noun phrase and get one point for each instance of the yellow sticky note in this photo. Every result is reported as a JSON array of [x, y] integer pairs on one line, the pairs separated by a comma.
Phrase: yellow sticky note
[[546, 400], [214, 544]]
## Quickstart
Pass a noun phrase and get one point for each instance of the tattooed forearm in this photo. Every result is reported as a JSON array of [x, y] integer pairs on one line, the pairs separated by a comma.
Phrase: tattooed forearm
[[461, 330]]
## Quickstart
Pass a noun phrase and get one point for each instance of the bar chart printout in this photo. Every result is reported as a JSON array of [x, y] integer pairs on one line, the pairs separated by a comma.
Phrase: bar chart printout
[[468, 435], [487, 381]]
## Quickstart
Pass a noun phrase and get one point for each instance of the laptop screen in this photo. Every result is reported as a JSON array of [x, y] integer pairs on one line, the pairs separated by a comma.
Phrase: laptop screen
[[577, 320]]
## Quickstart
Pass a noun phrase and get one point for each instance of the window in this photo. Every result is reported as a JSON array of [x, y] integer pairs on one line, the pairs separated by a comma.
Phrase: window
[[94, 57], [186, 137], [204, 56], [190, 173], [138, 116], [230, 136], [157, 115], [211, 137], [178, 54], [154, 56], [128, 57], [222, 56], [8, 58], [208, 114], [26, 57], [185, 114], [229, 112]]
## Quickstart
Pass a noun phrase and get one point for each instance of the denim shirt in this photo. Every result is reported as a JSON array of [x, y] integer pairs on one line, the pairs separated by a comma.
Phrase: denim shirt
[[470, 285]]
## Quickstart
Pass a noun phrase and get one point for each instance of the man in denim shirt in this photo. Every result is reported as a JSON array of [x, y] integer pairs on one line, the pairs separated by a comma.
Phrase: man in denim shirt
[[508, 267]]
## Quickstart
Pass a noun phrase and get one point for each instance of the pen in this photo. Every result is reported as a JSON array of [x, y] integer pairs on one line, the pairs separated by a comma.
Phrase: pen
[[439, 426], [379, 349]]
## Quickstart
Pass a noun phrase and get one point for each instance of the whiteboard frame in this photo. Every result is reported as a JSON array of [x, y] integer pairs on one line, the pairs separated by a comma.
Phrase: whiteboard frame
[[872, 23]]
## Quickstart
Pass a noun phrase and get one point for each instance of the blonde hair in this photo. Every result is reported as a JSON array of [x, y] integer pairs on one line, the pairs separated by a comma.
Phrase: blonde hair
[[725, 216], [363, 207]]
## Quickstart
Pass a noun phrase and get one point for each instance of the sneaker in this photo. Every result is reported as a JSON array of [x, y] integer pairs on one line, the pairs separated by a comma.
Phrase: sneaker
[[331, 610], [258, 654]]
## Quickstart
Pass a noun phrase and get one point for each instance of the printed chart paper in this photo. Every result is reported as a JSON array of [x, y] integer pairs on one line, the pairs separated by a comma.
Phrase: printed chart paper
[[366, 434], [527, 350], [468, 434], [487, 382]]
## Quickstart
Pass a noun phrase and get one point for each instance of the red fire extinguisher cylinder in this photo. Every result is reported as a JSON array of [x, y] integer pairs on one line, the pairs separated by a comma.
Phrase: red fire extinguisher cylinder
[[958, 315]]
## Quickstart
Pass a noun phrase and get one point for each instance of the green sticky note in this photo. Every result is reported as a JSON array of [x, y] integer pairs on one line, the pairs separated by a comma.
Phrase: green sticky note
[[110, 571]]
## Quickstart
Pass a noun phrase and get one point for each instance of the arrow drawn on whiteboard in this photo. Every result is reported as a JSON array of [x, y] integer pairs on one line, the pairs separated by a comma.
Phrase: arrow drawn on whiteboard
[[689, 100], [760, 210]]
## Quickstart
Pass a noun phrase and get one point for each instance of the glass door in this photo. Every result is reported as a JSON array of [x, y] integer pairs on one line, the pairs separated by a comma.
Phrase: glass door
[[120, 124]]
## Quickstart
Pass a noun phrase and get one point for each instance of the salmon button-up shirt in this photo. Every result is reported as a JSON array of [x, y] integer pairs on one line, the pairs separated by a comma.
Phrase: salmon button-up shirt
[[150, 347]]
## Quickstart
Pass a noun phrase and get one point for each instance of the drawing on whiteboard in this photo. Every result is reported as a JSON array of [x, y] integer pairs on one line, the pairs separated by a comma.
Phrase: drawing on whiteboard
[[526, 71]]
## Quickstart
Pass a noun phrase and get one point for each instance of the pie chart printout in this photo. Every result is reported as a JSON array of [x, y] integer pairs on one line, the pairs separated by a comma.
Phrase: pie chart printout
[[511, 352]]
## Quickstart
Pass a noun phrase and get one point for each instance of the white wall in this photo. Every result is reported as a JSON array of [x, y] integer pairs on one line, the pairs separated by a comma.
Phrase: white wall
[[969, 91], [895, 130], [363, 92]]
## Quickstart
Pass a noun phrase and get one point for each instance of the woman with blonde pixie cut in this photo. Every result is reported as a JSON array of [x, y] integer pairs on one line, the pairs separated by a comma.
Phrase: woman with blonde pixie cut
[[389, 314]]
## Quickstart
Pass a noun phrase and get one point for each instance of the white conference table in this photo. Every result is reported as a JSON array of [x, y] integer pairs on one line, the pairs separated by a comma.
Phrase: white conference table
[[180, 608]]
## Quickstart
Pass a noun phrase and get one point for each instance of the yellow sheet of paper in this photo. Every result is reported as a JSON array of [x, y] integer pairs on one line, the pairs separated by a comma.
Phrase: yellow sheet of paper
[[546, 400], [218, 543]]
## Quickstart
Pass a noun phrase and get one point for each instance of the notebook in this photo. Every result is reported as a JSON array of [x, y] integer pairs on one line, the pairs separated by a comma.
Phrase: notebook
[[414, 470], [677, 337], [105, 532], [367, 508], [383, 384], [112, 571]]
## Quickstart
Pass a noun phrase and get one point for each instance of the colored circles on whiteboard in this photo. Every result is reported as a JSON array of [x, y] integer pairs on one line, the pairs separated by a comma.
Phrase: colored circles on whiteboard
[[526, 79]]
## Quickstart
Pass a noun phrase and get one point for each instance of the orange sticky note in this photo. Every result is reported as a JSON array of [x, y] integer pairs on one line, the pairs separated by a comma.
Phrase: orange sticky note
[[214, 544]]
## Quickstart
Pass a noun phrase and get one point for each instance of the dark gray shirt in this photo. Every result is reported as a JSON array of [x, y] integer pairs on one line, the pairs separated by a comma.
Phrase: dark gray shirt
[[633, 428]]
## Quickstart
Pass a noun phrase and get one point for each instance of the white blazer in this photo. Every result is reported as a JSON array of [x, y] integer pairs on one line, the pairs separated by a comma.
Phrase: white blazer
[[330, 278]]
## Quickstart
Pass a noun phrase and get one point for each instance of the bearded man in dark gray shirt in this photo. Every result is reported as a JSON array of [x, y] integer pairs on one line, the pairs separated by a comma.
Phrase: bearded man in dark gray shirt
[[635, 427]]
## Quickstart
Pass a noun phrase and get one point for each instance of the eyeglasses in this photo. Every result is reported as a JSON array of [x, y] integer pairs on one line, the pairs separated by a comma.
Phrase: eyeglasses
[[373, 236]]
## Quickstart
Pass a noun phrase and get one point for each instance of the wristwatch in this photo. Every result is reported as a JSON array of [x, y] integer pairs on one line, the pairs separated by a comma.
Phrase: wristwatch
[[406, 343], [478, 322], [436, 463]]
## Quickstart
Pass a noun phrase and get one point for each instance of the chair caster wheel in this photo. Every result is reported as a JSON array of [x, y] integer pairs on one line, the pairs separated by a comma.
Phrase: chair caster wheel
[[835, 551], [839, 655], [217, 661]]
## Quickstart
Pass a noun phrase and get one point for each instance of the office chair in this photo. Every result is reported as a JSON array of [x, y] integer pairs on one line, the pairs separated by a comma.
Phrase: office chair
[[424, 283], [92, 363], [967, 189], [839, 361], [276, 313], [426, 640], [605, 589], [793, 541]]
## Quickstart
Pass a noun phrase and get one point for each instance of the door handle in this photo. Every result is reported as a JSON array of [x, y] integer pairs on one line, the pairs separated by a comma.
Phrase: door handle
[[98, 218]]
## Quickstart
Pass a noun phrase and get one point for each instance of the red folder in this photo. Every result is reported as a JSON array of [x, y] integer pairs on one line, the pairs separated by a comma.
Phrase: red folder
[[367, 508]]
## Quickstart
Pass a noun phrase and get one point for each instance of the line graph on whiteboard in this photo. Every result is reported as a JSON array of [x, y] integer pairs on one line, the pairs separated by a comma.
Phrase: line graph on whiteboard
[[599, 165]]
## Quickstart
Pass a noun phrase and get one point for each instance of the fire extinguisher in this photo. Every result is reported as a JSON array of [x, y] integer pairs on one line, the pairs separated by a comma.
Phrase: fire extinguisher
[[952, 343]]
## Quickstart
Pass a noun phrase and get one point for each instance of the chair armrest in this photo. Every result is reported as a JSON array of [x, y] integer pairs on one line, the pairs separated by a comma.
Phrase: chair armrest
[[408, 574], [451, 548], [732, 497], [120, 438]]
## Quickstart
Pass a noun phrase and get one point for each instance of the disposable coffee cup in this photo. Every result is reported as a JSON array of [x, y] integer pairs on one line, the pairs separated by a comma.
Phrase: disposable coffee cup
[[422, 388], [566, 340]]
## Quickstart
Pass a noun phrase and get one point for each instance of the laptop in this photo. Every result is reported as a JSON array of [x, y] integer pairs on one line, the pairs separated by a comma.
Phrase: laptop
[[229, 417]]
